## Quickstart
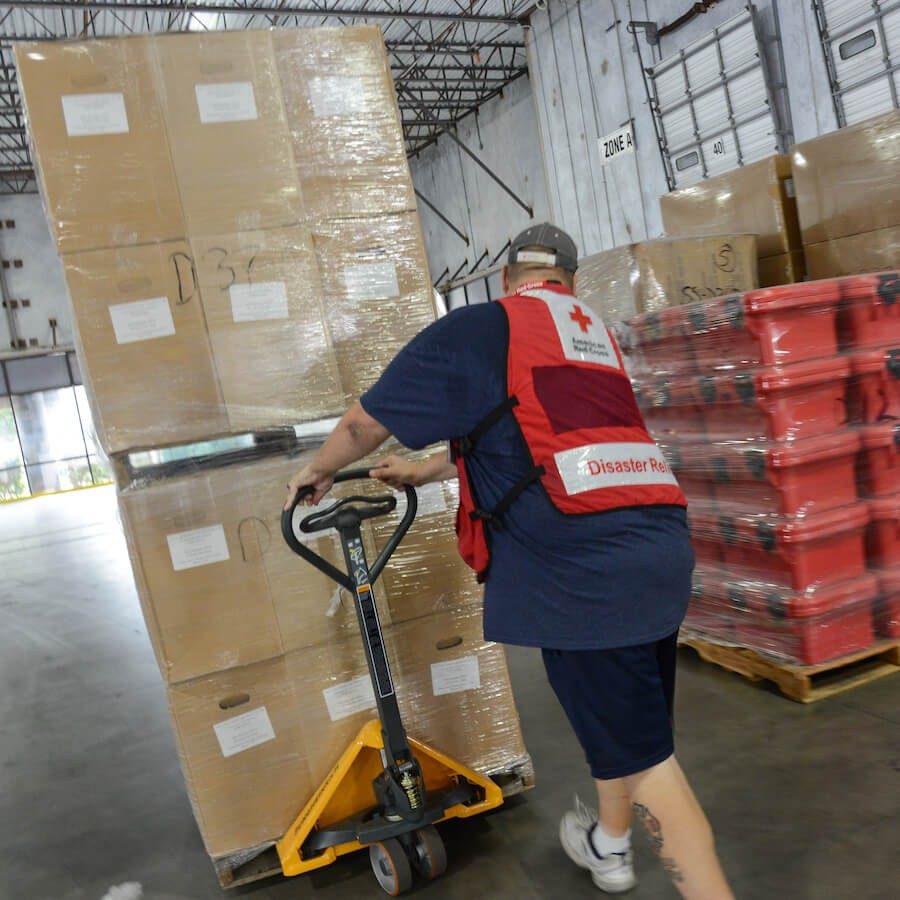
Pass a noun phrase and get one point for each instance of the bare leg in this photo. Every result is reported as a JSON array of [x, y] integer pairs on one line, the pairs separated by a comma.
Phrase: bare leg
[[679, 831], [615, 806]]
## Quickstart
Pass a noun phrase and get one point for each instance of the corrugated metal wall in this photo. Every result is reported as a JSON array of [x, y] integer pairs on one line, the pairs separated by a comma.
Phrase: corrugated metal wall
[[586, 82]]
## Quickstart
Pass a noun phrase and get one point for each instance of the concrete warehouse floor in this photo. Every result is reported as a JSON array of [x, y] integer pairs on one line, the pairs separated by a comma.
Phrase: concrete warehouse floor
[[805, 800]]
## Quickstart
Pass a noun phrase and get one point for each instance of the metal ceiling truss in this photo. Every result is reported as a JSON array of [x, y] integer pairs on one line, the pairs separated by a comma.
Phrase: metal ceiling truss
[[448, 57]]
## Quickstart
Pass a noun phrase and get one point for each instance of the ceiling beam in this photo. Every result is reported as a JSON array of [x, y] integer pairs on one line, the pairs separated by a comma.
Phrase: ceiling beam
[[194, 6]]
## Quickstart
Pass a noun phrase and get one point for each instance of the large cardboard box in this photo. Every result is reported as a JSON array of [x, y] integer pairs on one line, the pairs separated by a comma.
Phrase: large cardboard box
[[345, 126], [643, 277], [426, 574], [100, 145], [228, 131], [255, 742], [218, 586], [871, 251], [377, 292], [143, 346], [261, 296], [755, 199], [846, 181]]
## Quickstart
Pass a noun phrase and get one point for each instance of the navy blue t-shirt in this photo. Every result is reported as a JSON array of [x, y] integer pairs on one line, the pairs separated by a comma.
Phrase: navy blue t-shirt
[[613, 579]]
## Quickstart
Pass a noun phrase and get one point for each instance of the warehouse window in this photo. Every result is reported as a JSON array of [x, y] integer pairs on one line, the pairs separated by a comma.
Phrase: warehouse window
[[47, 437], [861, 43], [713, 105]]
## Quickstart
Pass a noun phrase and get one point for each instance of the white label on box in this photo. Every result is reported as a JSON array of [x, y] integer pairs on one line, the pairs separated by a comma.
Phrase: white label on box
[[258, 302], [90, 114], [349, 698], [338, 95], [141, 320], [226, 102], [431, 500], [455, 675], [198, 547], [619, 143], [250, 729], [367, 281]]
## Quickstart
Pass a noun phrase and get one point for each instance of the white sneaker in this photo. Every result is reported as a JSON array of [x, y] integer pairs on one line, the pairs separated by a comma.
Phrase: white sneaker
[[614, 873]]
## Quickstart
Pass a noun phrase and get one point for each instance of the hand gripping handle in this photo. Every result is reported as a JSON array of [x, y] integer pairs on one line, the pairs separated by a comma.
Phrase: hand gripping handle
[[321, 520]]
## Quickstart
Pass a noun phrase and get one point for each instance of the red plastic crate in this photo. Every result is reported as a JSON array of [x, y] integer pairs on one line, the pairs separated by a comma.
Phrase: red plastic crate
[[798, 478], [795, 552], [772, 326], [808, 627], [875, 387], [706, 615], [869, 312], [668, 406], [661, 341], [879, 467], [883, 533], [887, 606], [776, 403]]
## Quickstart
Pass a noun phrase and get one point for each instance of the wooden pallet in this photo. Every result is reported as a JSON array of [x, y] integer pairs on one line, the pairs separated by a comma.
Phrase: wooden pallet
[[262, 862], [805, 684]]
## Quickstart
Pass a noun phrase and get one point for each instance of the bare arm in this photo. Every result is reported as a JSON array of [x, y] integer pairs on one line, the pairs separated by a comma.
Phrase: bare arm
[[396, 471], [355, 436]]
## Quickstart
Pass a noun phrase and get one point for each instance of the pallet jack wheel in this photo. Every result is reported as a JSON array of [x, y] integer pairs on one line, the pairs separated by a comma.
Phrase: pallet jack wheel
[[430, 855], [391, 866]]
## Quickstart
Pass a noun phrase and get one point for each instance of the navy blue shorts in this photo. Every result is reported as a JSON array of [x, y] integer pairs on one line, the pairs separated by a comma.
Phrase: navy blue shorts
[[619, 703]]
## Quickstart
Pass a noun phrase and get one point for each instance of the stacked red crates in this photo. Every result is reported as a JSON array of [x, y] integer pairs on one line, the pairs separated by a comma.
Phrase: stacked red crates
[[779, 410]]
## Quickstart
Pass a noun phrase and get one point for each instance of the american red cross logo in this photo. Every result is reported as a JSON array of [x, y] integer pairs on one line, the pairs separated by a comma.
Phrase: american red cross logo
[[577, 315]]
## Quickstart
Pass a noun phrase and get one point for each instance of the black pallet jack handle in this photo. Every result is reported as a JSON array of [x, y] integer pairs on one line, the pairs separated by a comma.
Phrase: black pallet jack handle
[[399, 790], [343, 514]]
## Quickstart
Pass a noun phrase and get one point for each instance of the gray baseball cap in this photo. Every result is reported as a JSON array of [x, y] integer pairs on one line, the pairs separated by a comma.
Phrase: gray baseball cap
[[557, 248]]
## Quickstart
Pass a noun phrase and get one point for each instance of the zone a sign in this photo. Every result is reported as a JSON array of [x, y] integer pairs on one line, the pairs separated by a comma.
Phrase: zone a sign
[[617, 144]]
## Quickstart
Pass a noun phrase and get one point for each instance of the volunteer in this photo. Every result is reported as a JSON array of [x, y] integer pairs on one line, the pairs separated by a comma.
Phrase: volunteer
[[575, 524]]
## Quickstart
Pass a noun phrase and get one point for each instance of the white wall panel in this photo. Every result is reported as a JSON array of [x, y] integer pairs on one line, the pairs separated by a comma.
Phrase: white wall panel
[[40, 278]]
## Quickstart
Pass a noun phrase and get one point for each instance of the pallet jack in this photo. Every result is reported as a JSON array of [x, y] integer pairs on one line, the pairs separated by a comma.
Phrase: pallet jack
[[387, 790]]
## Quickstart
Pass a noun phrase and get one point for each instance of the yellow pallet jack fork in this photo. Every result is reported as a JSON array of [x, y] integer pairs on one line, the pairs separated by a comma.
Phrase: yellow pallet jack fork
[[388, 790]]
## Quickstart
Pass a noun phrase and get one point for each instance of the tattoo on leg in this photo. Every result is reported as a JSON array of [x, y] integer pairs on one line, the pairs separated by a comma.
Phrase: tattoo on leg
[[654, 830], [651, 823], [671, 869]]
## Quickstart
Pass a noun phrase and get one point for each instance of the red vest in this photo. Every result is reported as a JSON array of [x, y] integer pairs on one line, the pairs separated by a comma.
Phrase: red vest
[[569, 393]]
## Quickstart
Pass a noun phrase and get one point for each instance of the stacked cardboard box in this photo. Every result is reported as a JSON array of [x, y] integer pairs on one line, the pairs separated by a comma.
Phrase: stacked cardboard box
[[847, 198], [755, 199], [237, 224], [778, 411], [653, 275], [218, 200]]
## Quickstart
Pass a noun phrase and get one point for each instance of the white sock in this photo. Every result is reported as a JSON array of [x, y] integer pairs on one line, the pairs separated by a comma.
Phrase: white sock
[[604, 845]]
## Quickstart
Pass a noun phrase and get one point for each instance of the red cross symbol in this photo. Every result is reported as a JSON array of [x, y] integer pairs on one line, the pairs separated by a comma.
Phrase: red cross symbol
[[577, 315]]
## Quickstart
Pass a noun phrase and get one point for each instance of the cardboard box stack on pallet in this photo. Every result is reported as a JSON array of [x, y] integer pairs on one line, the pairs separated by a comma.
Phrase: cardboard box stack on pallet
[[238, 229], [779, 410], [759, 199]]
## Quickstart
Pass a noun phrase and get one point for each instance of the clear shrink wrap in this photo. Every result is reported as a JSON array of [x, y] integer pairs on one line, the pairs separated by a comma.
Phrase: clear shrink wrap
[[847, 198], [795, 478], [654, 275], [377, 292], [846, 180], [798, 552], [218, 586], [344, 122], [759, 199], [255, 742], [804, 627], [99, 141], [427, 574], [143, 346], [228, 131], [262, 300]]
